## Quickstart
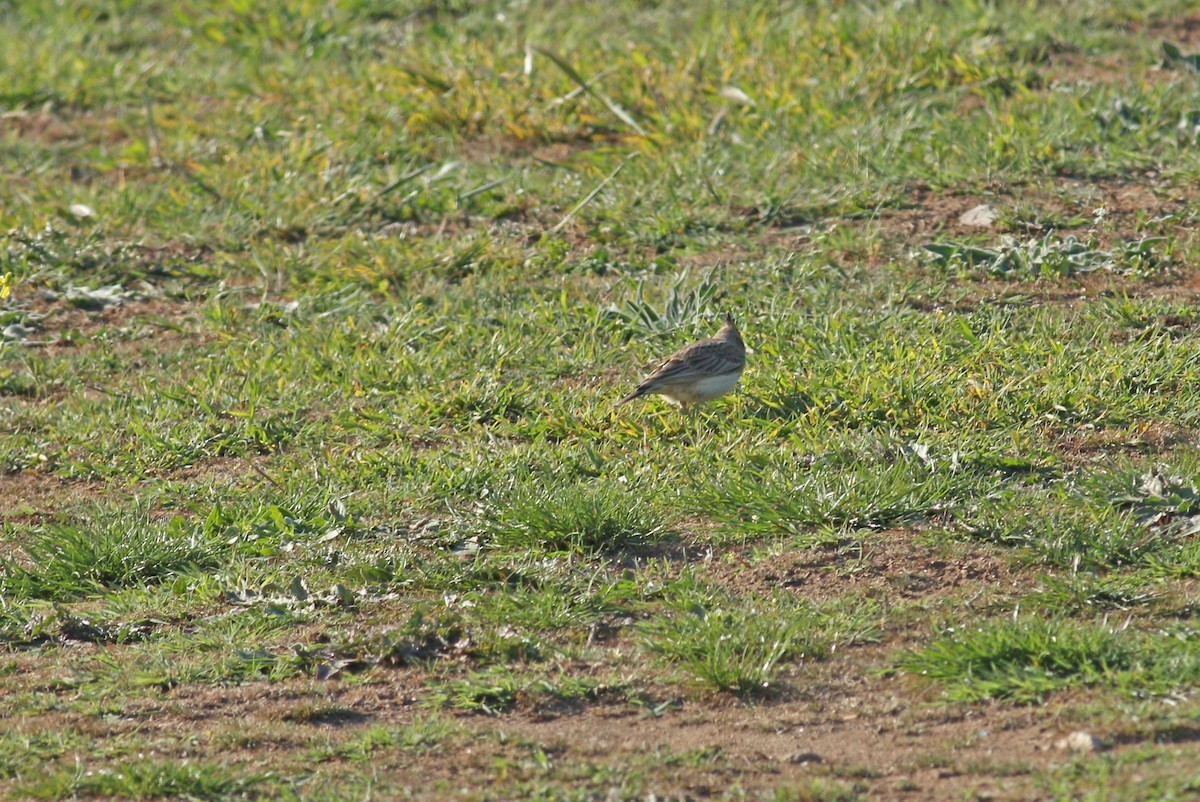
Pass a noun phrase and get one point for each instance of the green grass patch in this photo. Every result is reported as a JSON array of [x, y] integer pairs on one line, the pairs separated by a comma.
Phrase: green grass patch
[[421, 736], [1083, 593], [1029, 658], [499, 689], [126, 550], [598, 516], [147, 780], [1133, 515], [740, 645]]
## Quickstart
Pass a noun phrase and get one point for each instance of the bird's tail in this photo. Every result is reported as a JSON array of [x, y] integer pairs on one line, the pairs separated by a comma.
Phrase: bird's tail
[[638, 393]]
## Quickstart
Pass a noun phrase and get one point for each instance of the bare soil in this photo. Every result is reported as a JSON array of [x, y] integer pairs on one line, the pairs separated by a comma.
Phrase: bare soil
[[892, 566], [889, 737]]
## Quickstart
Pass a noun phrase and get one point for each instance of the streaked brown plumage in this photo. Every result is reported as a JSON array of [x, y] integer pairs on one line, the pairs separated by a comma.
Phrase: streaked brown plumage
[[698, 372]]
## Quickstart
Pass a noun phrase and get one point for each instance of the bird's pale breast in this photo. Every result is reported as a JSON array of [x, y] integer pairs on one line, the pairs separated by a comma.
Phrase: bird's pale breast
[[704, 389]]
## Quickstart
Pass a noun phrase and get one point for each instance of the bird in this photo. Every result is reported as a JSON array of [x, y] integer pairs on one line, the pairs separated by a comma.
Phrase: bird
[[699, 372]]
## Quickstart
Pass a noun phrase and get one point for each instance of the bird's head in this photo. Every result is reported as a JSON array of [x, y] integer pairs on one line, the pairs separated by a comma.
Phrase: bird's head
[[729, 330]]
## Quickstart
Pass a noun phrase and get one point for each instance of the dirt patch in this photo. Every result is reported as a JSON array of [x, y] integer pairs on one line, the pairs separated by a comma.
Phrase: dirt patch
[[892, 566], [40, 125], [1071, 68], [58, 324], [1067, 65], [1183, 30], [32, 497], [1127, 204], [1132, 210], [1100, 445], [1075, 291], [53, 126], [845, 725], [884, 735], [125, 304]]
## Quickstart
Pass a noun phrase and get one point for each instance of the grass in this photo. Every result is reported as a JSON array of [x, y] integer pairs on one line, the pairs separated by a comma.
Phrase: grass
[[1026, 659], [148, 781], [421, 736], [74, 561], [1082, 592], [893, 486], [740, 644], [592, 517], [312, 317], [729, 651]]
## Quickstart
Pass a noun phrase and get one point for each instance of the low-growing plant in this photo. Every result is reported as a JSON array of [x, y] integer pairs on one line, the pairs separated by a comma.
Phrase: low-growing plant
[[498, 689], [682, 308], [605, 515], [1088, 592], [728, 644], [493, 691], [576, 600], [147, 779], [817, 790], [72, 560], [422, 735], [1027, 658], [786, 494], [1126, 517], [1050, 257]]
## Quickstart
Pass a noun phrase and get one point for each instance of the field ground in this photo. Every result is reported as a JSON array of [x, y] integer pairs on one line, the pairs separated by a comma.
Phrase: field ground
[[311, 481]]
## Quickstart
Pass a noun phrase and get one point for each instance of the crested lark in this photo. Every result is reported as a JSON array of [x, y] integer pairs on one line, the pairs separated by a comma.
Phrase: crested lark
[[698, 372]]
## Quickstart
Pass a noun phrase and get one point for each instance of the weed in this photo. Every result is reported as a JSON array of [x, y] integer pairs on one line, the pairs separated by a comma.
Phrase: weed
[[1081, 593], [734, 645], [1028, 658], [73, 560], [599, 516], [148, 780], [1050, 257], [681, 311]]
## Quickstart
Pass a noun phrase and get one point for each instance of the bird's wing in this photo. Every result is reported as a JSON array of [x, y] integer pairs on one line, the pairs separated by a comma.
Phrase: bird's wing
[[705, 358]]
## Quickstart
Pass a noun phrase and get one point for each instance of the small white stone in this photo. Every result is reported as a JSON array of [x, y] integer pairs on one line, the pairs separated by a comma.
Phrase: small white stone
[[982, 216], [81, 211], [1080, 742]]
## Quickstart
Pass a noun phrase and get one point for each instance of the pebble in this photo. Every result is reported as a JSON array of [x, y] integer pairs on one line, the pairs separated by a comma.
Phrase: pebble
[[1080, 742], [981, 216]]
